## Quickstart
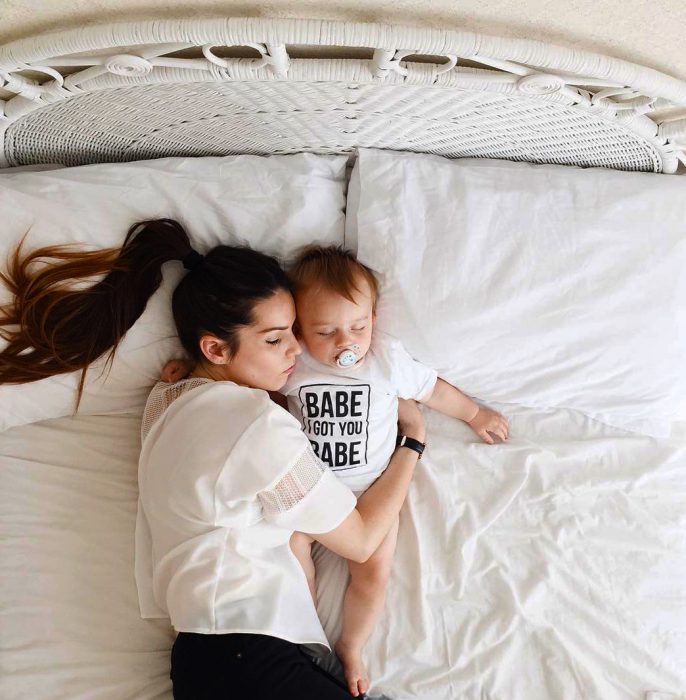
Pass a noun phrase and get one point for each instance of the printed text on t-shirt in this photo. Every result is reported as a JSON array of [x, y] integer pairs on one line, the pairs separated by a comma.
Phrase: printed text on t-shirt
[[335, 418]]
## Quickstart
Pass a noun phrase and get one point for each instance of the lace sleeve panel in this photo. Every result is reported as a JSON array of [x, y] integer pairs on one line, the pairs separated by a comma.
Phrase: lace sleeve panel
[[294, 486], [309, 498], [162, 396]]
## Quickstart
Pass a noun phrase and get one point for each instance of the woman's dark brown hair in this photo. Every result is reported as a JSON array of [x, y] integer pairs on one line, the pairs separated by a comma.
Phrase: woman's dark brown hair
[[56, 324]]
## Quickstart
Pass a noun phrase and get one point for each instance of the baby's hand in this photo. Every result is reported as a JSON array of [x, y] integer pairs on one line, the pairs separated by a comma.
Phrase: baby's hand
[[175, 371], [487, 421]]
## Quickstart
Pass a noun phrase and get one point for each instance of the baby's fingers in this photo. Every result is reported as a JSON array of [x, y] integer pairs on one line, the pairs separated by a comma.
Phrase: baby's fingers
[[484, 435], [500, 432], [494, 425], [496, 428], [500, 427]]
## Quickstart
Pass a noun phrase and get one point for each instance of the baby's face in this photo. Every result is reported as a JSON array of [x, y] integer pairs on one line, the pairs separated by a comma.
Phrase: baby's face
[[328, 322]]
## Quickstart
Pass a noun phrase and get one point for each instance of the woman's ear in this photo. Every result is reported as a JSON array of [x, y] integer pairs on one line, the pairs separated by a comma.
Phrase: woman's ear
[[215, 350]]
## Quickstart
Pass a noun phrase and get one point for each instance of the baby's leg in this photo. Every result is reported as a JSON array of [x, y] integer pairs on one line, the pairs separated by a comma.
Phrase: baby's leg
[[301, 546], [364, 601]]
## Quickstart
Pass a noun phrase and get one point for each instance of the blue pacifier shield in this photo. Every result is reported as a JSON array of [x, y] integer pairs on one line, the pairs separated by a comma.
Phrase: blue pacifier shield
[[348, 357]]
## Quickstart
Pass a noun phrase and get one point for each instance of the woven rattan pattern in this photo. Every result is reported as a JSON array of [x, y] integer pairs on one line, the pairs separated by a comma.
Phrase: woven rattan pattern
[[218, 118]]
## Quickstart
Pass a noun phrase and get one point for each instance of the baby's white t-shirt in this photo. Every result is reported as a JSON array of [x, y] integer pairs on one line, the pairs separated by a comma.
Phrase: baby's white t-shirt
[[225, 477], [350, 415]]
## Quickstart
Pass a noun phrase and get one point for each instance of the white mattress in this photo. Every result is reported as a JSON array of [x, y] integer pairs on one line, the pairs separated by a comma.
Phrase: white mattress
[[549, 568]]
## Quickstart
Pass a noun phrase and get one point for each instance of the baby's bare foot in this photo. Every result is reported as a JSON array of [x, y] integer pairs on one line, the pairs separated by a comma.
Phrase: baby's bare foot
[[354, 670]]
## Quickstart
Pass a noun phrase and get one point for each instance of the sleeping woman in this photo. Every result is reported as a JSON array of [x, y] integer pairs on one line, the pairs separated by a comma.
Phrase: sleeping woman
[[344, 391], [225, 475]]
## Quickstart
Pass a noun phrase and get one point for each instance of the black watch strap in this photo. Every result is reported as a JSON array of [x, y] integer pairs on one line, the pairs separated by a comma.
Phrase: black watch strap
[[404, 441]]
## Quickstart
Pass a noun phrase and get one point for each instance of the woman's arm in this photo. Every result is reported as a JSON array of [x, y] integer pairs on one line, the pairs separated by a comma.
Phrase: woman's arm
[[361, 533]]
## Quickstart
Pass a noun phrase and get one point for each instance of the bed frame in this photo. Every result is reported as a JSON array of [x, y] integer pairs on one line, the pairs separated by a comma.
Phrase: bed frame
[[134, 91]]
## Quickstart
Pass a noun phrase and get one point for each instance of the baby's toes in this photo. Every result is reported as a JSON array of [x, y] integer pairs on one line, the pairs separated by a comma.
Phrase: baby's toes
[[354, 670]]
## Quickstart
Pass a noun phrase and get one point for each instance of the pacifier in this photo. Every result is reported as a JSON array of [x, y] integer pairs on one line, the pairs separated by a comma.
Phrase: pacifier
[[348, 356]]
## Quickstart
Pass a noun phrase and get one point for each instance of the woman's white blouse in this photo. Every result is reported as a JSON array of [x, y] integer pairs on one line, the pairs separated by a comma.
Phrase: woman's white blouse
[[225, 477]]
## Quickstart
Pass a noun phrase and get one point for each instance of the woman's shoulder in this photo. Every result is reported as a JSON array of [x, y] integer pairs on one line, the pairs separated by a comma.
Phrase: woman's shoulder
[[202, 405], [218, 398], [262, 440]]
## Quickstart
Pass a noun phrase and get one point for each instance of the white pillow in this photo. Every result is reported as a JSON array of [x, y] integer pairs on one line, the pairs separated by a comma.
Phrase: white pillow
[[273, 204], [546, 286]]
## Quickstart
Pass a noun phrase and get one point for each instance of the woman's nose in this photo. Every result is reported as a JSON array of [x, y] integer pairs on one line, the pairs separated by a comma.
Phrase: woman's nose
[[295, 348]]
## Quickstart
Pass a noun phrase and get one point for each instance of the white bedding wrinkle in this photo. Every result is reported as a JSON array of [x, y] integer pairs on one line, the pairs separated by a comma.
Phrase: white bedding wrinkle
[[551, 567], [543, 286], [548, 568], [68, 603]]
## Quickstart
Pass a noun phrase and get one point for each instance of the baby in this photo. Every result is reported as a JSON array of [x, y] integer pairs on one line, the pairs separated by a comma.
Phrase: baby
[[344, 390]]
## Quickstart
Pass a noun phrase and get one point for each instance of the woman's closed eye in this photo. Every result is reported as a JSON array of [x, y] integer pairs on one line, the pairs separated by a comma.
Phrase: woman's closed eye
[[274, 342]]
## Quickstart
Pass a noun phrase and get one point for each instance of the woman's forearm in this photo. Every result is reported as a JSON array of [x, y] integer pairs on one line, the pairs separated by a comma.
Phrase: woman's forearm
[[380, 504], [361, 533]]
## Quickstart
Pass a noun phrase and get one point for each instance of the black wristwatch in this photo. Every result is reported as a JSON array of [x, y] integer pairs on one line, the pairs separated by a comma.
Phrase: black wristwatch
[[404, 441]]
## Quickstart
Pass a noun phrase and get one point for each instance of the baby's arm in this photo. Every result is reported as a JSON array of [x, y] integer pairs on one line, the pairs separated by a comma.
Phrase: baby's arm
[[451, 401]]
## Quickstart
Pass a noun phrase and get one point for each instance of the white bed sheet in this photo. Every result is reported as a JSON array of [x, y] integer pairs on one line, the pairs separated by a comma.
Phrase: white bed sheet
[[69, 622], [550, 568]]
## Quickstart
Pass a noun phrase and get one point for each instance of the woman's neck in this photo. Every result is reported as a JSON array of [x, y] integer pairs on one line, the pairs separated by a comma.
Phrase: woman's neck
[[206, 370]]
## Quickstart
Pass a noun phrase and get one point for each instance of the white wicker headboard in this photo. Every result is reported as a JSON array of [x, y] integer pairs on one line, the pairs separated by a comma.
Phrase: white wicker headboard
[[144, 90]]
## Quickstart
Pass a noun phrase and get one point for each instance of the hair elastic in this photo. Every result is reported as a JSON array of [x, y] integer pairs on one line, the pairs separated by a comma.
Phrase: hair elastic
[[192, 260]]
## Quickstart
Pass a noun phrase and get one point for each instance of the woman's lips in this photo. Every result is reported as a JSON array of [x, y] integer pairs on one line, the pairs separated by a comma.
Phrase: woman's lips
[[289, 370]]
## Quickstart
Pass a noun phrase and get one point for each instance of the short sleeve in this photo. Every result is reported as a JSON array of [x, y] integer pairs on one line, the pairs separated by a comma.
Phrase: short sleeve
[[273, 464], [411, 379], [308, 498]]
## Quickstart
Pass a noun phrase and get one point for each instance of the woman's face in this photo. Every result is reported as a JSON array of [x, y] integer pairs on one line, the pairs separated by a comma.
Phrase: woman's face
[[266, 349]]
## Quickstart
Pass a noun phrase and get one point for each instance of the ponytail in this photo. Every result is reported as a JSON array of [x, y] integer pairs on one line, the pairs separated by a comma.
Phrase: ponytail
[[53, 325]]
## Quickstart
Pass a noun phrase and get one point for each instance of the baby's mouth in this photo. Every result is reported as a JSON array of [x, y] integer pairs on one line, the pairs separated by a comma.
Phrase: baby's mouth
[[348, 357]]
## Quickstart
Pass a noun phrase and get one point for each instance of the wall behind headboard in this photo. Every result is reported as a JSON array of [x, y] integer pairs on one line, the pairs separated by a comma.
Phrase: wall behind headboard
[[649, 32]]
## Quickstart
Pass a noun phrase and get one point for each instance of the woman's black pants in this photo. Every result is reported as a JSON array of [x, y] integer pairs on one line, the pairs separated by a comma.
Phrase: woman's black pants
[[255, 666]]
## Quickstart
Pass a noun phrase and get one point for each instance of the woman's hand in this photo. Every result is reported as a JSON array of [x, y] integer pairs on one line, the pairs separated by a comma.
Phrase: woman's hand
[[175, 371], [410, 420], [486, 422]]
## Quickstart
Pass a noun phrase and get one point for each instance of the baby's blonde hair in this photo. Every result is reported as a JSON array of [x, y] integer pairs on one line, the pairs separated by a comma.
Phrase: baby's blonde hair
[[331, 267]]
